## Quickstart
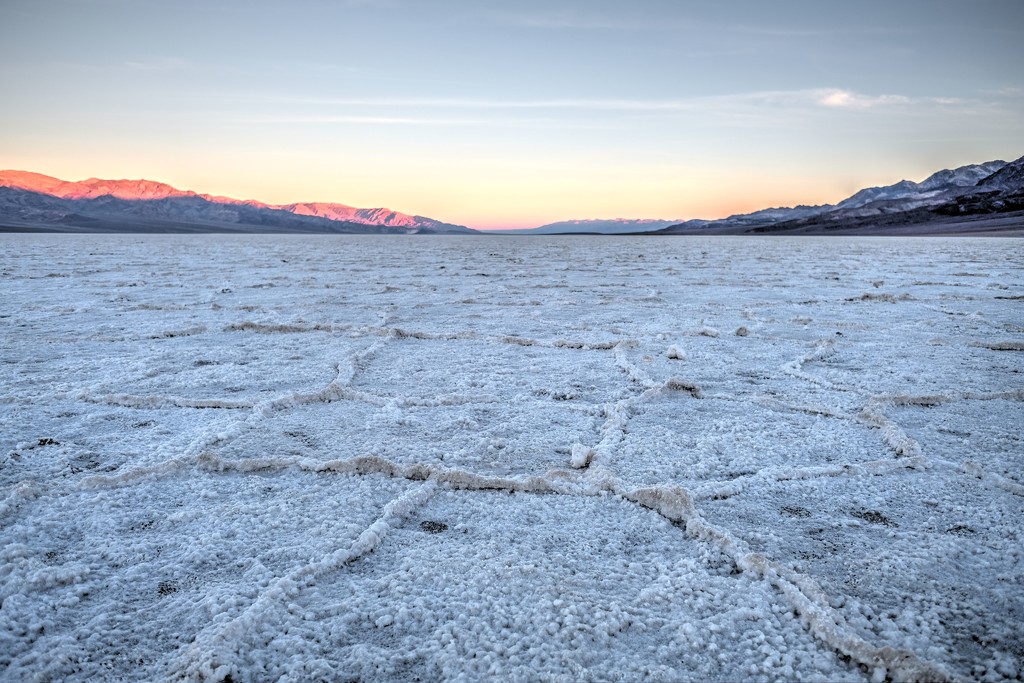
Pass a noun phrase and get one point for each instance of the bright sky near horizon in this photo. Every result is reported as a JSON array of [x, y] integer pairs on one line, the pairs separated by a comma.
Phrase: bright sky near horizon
[[497, 113]]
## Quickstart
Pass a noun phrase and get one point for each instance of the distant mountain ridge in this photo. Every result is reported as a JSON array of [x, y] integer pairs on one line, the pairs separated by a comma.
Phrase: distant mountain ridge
[[618, 226], [992, 187], [29, 199]]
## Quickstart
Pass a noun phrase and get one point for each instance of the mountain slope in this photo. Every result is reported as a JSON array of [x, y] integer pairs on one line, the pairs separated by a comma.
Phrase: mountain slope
[[1009, 178], [94, 202], [1001, 192], [342, 212], [773, 215]]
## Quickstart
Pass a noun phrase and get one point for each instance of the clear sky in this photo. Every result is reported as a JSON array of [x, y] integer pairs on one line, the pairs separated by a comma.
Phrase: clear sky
[[495, 113]]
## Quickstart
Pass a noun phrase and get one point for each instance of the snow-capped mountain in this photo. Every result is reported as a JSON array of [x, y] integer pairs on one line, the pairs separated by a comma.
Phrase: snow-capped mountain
[[938, 186], [900, 190], [33, 198], [1000, 193], [1009, 178], [965, 176]]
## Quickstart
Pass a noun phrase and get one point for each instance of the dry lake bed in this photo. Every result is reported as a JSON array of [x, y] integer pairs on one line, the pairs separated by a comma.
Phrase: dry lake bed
[[351, 458]]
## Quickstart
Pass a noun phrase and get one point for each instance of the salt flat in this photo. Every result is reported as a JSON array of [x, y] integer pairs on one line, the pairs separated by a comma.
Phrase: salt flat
[[556, 459]]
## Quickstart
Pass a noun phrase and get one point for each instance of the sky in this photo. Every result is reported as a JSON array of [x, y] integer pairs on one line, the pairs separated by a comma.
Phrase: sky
[[512, 114]]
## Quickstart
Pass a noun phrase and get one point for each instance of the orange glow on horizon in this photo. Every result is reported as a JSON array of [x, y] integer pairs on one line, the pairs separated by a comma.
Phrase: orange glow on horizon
[[497, 198]]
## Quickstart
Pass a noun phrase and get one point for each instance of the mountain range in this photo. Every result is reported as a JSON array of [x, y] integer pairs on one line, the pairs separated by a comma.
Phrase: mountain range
[[977, 197], [32, 201], [986, 197]]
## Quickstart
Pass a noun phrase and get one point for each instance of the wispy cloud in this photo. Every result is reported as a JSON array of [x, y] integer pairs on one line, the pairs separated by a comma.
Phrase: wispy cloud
[[845, 99], [769, 109], [827, 98]]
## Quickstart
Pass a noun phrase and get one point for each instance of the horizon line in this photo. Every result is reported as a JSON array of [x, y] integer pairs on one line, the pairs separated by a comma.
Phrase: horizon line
[[491, 228]]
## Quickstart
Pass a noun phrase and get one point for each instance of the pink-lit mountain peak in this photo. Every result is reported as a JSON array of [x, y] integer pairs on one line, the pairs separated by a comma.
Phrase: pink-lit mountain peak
[[92, 187], [334, 211], [34, 182], [343, 212], [122, 189]]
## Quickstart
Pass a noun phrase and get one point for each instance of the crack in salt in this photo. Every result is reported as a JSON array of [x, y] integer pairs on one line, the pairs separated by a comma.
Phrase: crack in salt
[[210, 655]]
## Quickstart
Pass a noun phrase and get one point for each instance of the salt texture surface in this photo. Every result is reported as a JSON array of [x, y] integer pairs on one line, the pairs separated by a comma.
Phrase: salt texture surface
[[369, 458]]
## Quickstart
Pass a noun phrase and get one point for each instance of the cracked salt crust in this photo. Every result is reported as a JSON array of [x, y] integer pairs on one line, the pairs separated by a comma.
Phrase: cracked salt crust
[[271, 458]]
